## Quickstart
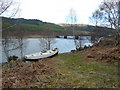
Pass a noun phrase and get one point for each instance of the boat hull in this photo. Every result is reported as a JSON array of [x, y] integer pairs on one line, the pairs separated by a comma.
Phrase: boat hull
[[36, 59]]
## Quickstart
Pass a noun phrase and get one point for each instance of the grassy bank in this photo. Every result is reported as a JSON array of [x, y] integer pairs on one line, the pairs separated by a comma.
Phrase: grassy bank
[[63, 71], [95, 67], [72, 70]]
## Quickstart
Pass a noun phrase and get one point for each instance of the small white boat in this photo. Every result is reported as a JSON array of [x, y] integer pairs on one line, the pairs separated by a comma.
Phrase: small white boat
[[41, 55]]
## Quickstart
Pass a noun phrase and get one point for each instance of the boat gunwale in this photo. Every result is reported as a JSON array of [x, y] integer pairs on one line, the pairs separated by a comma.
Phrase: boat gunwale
[[55, 52]]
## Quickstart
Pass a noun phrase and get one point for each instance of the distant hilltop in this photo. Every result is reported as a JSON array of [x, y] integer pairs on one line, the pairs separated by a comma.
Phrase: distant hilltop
[[65, 24], [31, 26], [38, 27], [86, 29]]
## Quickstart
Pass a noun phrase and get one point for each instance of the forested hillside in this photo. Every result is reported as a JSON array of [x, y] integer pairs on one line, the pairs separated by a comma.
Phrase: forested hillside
[[31, 26], [37, 27], [85, 29]]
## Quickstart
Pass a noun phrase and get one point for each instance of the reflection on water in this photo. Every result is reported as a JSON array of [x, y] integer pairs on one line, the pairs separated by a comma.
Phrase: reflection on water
[[63, 45]]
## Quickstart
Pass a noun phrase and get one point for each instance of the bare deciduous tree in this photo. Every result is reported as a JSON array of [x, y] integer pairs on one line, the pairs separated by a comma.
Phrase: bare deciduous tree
[[111, 15], [46, 43], [96, 17], [14, 41], [9, 44], [78, 43], [72, 16], [8, 8], [109, 12], [21, 41], [72, 19]]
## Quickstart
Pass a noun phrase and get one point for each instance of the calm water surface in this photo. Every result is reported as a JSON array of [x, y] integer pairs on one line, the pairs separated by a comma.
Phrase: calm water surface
[[33, 45]]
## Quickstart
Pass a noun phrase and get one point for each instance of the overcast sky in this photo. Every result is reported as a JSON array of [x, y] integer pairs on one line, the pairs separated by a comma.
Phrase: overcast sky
[[55, 11]]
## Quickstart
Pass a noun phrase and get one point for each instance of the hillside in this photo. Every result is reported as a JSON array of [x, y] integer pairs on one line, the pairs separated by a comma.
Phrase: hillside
[[31, 26], [38, 27], [89, 29]]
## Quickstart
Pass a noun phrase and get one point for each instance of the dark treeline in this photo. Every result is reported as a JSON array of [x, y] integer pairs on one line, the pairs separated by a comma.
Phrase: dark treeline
[[90, 30], [37, 27], [30, 26]]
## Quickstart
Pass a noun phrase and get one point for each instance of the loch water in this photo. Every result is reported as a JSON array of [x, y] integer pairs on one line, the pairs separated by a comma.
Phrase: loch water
[[33, 45]]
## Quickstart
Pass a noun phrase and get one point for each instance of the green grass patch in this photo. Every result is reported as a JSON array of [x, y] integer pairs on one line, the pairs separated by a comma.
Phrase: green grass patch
[[74, 71]]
